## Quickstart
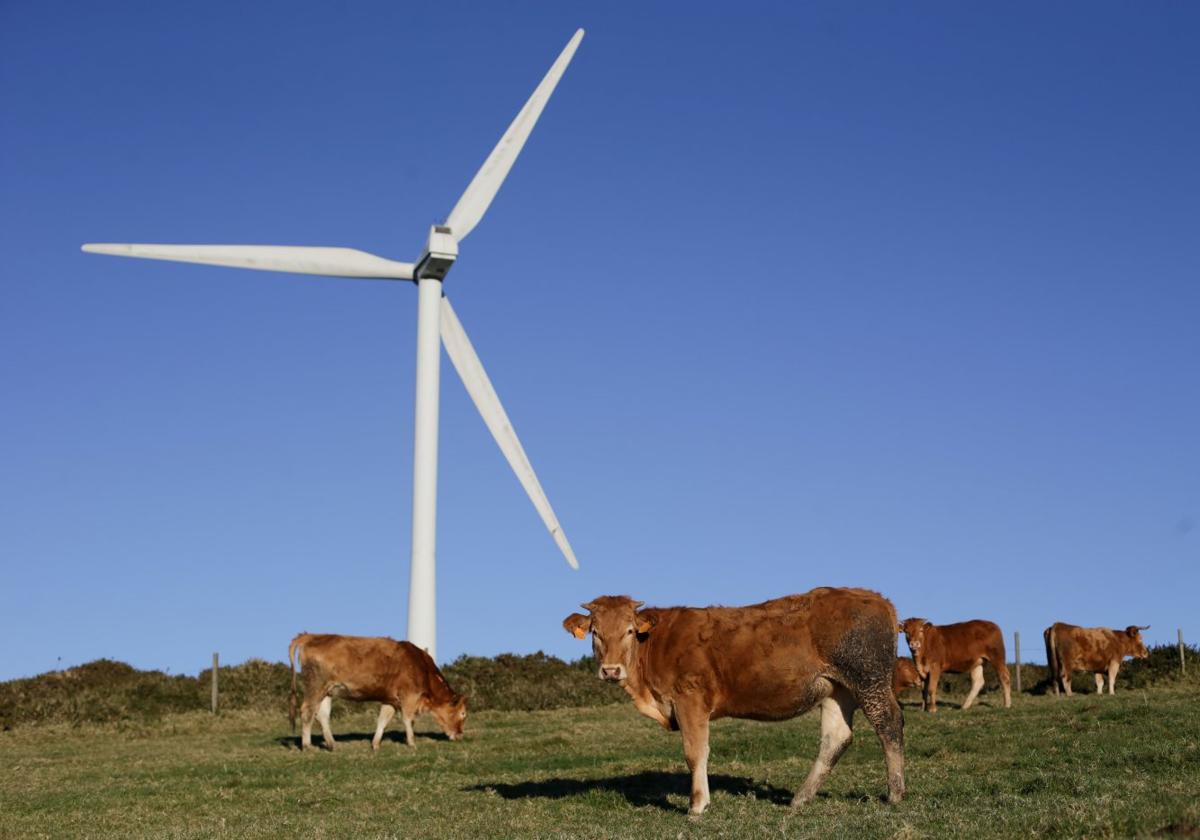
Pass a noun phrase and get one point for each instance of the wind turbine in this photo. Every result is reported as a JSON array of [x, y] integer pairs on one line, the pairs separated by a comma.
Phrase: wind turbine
[[435, 318]]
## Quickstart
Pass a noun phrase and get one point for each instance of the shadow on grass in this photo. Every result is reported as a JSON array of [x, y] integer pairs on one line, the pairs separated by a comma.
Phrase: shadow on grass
[[647, 788], [292, 742]]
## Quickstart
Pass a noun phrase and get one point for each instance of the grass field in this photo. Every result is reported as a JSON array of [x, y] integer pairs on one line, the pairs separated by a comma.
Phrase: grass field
[[1092, 766]]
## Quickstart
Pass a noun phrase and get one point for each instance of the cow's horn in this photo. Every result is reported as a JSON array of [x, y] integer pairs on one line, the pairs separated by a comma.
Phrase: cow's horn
[[637, 605]]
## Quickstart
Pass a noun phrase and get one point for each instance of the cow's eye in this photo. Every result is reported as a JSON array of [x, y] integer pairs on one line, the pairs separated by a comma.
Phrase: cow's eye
[[630, 633]]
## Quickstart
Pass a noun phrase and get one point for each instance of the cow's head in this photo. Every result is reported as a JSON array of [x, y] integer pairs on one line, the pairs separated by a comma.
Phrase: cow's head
[[451, 716], [914, 630], [615, 625], [1137, 648]]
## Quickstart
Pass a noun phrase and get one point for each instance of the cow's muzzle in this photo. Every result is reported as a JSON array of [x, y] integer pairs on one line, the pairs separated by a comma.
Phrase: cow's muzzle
[[612, 673]]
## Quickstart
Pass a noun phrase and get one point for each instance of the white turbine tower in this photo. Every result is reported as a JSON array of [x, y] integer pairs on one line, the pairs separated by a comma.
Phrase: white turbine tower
[[434, 318]]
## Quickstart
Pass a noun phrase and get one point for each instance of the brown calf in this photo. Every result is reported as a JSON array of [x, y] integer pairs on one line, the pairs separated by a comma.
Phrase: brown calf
[[906, 676], [1096, 649], [397, 674], [772, 661], [956, 649]]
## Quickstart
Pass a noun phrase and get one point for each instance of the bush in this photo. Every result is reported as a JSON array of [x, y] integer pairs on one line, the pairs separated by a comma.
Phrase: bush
[[109, 691], [510, 682]]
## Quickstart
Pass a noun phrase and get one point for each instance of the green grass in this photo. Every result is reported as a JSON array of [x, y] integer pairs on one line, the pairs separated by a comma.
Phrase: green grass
[[1091, 766]]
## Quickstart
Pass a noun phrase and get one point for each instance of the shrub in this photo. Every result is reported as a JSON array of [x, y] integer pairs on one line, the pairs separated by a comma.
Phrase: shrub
[[107, 691]]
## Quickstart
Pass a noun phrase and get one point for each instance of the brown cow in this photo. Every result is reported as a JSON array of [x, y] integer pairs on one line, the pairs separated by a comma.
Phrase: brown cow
[[956, 649], [397, 674], [906, 676], [685, 666], [1096, 649]]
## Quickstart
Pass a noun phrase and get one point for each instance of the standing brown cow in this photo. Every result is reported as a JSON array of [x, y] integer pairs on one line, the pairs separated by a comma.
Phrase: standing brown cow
[[772, 661], [1096, 649], [956, 649], [397, 674]]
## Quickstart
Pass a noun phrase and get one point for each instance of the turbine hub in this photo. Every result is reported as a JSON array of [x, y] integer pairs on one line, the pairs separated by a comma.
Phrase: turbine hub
[[441, 250]]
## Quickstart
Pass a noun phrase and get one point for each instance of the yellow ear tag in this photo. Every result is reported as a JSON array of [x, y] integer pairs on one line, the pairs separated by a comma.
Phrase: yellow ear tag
[[579, 633]]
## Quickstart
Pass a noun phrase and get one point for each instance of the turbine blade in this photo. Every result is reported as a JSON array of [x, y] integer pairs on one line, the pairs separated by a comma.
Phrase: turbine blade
[[332, 262], [483, 187], [470, 370]]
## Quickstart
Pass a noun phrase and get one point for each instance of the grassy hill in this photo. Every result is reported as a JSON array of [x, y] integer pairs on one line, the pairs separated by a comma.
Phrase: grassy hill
[[1090, 766]]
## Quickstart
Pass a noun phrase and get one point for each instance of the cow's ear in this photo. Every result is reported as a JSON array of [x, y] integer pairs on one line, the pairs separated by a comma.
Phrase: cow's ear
[[645, 621], [577, 625], [899, 628]]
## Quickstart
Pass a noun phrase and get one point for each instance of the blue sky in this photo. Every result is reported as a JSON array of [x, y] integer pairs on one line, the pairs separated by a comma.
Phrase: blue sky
[[777, 296]]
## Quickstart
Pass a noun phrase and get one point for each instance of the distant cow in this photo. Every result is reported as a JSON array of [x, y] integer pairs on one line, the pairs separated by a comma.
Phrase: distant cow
[[956, 649], [906, 676], [772, 661], [397, 674], [1096, 649]]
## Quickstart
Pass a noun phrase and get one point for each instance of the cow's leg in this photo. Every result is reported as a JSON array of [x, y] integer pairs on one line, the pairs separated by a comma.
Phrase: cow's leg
[[693, 724], [976, 685], [880, 707], [323, 716], [408, 711], [1006, 683], [1099, 675], [409, 738], [386, 712], [306, 721], [1113, 667], [837, 719], [1066, 680], [931, 689]]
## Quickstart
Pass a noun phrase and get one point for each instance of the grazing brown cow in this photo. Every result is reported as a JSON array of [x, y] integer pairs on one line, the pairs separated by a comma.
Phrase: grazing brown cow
[[1096, 649], [906, 676], [397, 674], [956, 649], [685, 666]]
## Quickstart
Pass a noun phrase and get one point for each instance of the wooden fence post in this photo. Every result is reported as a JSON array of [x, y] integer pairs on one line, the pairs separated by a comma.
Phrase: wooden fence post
[[1182, 664], [1017, 645], [214, 683]]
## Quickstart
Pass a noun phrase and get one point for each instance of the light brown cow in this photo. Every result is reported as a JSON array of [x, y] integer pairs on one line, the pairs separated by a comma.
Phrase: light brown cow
[[685, 666], [956, 649], [397, 674], [1096, 649], [906, 676]]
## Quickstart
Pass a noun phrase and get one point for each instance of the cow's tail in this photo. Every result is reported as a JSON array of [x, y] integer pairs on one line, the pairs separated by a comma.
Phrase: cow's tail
[[292, 650], [1052, 657]]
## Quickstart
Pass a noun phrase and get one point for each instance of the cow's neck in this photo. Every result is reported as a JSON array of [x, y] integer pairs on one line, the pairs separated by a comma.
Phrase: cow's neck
[[639, 689]]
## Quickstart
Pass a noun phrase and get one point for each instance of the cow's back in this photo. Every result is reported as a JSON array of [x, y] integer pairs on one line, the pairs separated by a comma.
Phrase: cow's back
[[365, 667], [961, 646], [762, 661]]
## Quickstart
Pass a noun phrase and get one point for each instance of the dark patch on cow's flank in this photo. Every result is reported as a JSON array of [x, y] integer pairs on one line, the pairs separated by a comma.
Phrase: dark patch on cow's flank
[[866, 654], [639, 789]]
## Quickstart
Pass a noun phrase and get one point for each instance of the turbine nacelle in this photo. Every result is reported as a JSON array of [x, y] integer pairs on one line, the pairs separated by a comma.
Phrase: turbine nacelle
[[441, 250]]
